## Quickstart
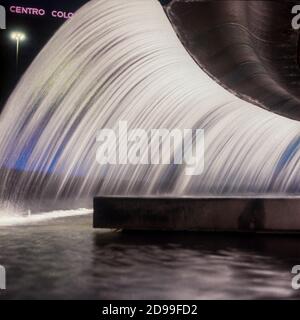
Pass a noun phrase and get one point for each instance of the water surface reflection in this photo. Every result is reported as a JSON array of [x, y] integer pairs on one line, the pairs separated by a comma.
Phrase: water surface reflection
[[68, 259]]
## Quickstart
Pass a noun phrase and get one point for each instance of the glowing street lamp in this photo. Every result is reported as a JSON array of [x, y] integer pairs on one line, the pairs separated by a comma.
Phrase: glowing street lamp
[[18, 37]]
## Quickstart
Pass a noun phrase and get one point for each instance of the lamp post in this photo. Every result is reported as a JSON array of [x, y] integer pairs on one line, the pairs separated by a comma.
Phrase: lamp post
[[18, 37]]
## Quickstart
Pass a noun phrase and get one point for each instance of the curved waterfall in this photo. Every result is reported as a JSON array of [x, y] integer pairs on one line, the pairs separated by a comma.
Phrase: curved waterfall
[[122, 61]]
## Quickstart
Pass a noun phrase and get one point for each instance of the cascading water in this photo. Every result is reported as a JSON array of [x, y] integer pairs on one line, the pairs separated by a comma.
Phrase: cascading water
[[121, 60]]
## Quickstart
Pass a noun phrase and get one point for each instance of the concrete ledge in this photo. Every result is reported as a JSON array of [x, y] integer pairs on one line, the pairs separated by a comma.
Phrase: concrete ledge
[[262, 214]]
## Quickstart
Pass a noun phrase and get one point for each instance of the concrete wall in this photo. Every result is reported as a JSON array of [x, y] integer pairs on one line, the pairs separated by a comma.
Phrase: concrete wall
[[216, 214]]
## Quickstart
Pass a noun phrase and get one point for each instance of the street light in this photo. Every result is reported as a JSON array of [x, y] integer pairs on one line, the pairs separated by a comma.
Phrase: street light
[[18, 37]]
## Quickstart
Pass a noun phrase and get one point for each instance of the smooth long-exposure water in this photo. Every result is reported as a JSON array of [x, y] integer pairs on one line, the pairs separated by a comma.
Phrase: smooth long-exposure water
[[122, 61], [66, 258]]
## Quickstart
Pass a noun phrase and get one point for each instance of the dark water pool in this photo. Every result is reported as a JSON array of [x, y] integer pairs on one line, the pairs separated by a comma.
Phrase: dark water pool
[[66, 258]]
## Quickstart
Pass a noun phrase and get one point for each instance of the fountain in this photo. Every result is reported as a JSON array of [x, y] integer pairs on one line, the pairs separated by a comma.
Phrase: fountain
[[122, 61]]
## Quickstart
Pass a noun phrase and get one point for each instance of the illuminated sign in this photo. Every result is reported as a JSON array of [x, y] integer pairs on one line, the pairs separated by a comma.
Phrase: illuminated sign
[[40, 12]]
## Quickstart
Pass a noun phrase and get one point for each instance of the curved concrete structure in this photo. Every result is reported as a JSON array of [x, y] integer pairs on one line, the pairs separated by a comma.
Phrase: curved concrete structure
[[249, 47]]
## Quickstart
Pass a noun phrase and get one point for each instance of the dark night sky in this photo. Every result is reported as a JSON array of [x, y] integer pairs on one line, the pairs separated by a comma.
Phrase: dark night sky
[[38, 30]]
